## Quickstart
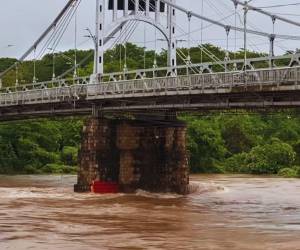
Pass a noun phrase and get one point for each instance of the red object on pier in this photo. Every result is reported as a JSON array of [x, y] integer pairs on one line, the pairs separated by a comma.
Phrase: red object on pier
[[101, 187]]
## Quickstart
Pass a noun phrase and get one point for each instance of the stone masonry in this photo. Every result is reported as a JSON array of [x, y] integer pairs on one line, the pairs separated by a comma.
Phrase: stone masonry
[[136, 154]]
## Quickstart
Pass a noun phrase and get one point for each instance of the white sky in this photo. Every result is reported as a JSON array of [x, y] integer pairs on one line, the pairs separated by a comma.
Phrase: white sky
[[22, 21]]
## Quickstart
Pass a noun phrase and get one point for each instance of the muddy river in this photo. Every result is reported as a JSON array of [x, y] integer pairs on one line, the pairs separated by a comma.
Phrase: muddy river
[[226, 212]]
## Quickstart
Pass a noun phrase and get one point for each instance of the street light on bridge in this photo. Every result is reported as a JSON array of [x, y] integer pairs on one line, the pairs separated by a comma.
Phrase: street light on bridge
[[246, 9]]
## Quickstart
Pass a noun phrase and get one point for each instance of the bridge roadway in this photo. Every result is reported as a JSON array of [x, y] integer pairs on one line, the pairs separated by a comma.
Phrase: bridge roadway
[[264, 88]]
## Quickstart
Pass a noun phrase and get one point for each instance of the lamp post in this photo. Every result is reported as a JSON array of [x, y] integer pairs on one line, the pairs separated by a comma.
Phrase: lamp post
[[60, 53], [246, 9], [94, 39]]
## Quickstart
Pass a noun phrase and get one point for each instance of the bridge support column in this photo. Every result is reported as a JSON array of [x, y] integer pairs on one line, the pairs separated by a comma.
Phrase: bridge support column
[[98, 156], [137, 155]]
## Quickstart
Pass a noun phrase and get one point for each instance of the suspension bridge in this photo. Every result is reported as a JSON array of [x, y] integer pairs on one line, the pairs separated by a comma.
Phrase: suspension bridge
[[237, 83], [116, 150]]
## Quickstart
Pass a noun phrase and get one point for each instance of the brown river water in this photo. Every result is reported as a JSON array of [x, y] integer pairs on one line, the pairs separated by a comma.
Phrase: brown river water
[[226, 212]]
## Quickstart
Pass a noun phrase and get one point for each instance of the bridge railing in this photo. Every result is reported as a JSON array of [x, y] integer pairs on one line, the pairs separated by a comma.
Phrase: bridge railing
[[67, 91], [207, 67], [195, 68], [279, 76], [47, 84], [198, 81], [55, 94]]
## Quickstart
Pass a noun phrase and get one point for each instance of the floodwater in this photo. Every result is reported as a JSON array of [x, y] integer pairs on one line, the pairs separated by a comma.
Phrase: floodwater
[[226, 212]]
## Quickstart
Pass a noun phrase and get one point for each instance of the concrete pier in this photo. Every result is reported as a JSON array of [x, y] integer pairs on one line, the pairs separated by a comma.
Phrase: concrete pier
[[135, 154]]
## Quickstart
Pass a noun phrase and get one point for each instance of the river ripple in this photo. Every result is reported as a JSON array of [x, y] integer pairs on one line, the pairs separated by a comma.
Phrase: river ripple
[[226, 212]]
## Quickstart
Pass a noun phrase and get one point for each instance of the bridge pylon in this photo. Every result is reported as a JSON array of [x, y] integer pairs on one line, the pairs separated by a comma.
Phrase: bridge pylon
[[134, 154], [147, 11]]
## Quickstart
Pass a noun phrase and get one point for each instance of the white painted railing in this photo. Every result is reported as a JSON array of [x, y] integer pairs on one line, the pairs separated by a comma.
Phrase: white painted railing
[[79, 88]]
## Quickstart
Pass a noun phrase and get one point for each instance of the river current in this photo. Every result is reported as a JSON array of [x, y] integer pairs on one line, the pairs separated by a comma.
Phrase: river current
[[225, 212]]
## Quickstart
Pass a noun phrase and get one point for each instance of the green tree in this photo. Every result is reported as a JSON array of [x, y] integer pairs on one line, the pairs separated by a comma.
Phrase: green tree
[[205, 145], [270, 158], [241, 132]]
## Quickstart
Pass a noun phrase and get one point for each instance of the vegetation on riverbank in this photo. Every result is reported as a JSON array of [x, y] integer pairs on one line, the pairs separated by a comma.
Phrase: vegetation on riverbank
[[36, 147], [245, 143], [218, 143]]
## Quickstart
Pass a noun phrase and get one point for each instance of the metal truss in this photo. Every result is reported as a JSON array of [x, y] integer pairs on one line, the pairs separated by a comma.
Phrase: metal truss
[[226, 82], [201, 68]]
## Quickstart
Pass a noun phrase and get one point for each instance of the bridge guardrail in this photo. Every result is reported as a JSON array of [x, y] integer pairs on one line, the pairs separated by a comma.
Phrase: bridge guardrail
[[73, 89]]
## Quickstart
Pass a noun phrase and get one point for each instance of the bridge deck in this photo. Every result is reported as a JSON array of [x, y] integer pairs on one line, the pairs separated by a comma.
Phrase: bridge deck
[[253, 89]]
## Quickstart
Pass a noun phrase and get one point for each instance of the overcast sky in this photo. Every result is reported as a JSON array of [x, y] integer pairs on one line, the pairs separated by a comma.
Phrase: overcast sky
[[22, 21]]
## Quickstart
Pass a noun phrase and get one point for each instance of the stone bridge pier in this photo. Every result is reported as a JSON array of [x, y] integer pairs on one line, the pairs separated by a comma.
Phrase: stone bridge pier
[[134, 154]]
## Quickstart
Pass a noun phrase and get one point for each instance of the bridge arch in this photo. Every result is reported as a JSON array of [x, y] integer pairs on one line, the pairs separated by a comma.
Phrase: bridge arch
[[123, 20]]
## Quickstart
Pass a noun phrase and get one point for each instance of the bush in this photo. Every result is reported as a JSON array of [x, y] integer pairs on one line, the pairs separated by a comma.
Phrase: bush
[[45, 157], [239, 134], [297, 169], [270, 158], [236, 164], [205, 145], [31, 170], [69, 155], [58, 169], [69, 170], [288, 172], [52, 168], [6, 170]]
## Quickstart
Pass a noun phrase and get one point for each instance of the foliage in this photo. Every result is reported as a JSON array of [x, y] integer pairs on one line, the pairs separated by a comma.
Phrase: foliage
[[69, 155], [240, 135], [220, 142], [29, 147], [270, 158], [205, 145], [58, 169], [288, 172], [244, 143], [236, 164]]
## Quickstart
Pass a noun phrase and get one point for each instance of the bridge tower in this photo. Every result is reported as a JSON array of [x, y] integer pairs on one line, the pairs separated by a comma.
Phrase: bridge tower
[[108, 18]]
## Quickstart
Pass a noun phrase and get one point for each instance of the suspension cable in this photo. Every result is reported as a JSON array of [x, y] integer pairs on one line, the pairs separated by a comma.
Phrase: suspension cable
[[202, 7], [56, 30], [131, 26], [57, 20], [272, 38], [260, 10], [155, 49], [63, 30], [75, 45], [227, 44], [144, 46], [255, 32], [125, 53], [17, 75], [189, 39], [34, 66], [53, 60], [204, 49], [120, 50], [59, 36], [235, 32]]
